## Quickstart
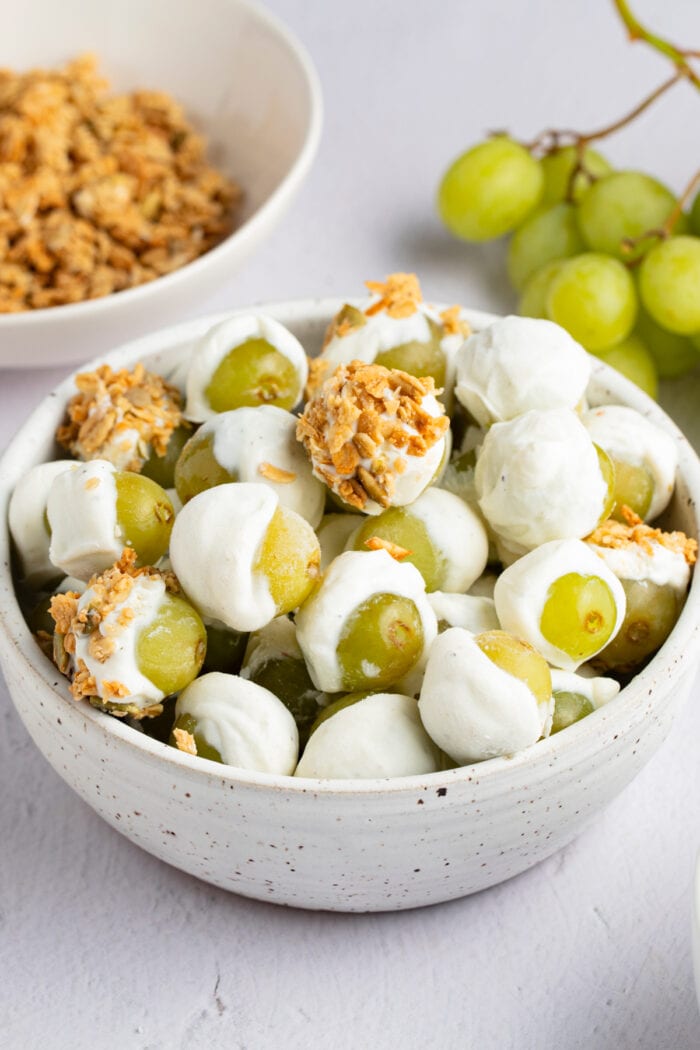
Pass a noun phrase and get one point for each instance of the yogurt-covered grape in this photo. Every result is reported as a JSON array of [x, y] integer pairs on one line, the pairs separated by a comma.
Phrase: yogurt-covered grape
[[29, 523]]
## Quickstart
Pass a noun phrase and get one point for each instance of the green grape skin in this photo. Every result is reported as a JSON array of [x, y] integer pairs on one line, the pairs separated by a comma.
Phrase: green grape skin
[[347, 316], [633, 360], [380, 642], [288, 678], [161, 469], [624, 204], [593, 297], [197, 469], [289, 557], [519, 659], [254, 373], [569, 708], [673, 354], [533, 298], [557, 168], [417, 358], [651, 614], [548, 235], [669, 284], [579, 615], [634, 488], [489, 190], [401, 527], [144, 514], [225, 649], [170, 651], [190, 725], [607, 469]]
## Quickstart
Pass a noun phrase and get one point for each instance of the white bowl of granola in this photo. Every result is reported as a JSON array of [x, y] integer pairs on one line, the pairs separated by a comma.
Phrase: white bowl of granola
[[347, 845], [126, 224]]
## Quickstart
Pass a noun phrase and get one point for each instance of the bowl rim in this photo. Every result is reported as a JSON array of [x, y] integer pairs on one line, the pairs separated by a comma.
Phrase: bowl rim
[[580, 743], [240, 235]]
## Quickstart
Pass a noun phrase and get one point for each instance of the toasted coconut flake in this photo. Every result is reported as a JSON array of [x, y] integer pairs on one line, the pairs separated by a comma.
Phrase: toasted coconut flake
[[110, 403], [617, 534], [453, 323], [185, 741], [376, 543], [273, 473], [399, 295]]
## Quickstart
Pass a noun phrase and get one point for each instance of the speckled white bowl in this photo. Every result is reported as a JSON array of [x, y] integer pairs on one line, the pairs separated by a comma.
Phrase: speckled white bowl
[[343, 845], [245, 82]]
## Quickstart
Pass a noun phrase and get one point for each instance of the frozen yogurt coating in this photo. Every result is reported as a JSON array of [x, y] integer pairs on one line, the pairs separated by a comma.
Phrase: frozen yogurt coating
[[351, 579], [628, 436], [472, 708], [635, 551], [379, 736], [375, 436], [28, 521], [82, 512], [219, 341], [469, 611], [120, 416], [599, 690], [538, 478], [245, 724], [457, 533], [518, 364]]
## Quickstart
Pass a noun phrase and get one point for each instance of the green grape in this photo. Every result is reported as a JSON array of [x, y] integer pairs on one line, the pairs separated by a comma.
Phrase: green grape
[[533, 299], [518, 658], [190, 725], [558, 167], [652, 611], [621, 205], [416, 358], [225, 649], [380, 642], [289, 557], [161, 726], [607, 469], [347, 317], [569, 708], [669, 284], [161, 469], [288, 678], [579, 615], [254, 373], [489, 190], [634, 488], [197, 468], [404, 529], [144, 514], [550, 234], [674, 355], [170, 650], [593, 297], [338, 705], [632, 359]]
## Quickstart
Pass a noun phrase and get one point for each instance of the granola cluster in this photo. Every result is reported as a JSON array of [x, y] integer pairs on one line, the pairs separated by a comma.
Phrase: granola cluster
[[108, 591], [633, 532], [361, 427], [98, 192], [110, 406]]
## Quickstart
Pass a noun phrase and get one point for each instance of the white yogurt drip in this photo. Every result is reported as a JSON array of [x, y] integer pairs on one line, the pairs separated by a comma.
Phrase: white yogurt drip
[[246, 724], [214, 547], [522, 589], [349, 582], [380, 736], [628, 436], [82, 511], [26, 518], [213, 347], [472, 708], [144, 600]]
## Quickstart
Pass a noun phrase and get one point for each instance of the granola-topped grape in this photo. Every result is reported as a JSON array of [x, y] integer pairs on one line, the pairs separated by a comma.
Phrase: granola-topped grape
[[247, 360], [95, 511]]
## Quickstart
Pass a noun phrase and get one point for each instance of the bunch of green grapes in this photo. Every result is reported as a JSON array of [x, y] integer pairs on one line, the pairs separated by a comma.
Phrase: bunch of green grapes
[[606, 254]]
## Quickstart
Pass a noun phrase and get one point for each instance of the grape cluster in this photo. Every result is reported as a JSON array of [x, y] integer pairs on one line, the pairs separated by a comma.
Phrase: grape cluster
[[608, 255]]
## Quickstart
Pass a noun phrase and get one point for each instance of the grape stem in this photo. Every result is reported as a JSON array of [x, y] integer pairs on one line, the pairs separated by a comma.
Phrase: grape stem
[[678, 55], [662, 233]]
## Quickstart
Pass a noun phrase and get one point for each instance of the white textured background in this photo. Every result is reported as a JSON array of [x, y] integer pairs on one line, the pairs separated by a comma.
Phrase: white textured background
[[103, 947]]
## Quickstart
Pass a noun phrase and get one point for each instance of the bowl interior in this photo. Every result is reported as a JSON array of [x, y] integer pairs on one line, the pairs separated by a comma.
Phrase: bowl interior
[[307, 320]]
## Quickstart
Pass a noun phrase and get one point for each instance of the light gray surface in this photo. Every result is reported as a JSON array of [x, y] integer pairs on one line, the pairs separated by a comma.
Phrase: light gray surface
[[103, 946]]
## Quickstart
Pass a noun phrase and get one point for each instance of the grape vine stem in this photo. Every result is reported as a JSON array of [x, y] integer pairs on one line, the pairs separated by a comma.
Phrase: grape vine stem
[[663, 232], [678, 55]]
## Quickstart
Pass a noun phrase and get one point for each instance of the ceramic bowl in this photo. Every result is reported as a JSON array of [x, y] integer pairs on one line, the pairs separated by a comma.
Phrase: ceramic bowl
[[343, 845], [244, 81]]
